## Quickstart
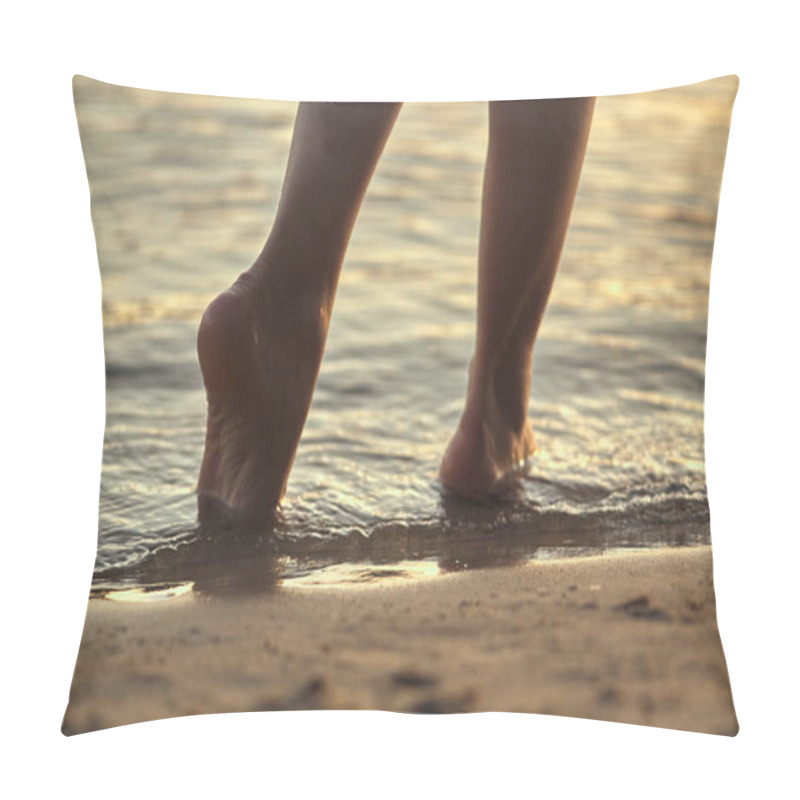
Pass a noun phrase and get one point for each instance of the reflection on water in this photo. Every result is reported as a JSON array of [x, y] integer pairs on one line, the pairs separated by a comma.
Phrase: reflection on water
[[150, 593], [183, 192], [469, 535]]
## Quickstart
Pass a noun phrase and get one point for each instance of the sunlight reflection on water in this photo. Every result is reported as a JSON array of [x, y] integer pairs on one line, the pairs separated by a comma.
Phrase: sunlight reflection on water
[[184, 189]]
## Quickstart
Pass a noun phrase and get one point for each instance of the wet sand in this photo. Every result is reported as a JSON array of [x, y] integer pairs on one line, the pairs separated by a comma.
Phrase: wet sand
[[626, 638]]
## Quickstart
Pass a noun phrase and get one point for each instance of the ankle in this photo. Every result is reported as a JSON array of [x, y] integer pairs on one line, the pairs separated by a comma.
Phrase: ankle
[[499, 398], [297, 274], [293, 315]]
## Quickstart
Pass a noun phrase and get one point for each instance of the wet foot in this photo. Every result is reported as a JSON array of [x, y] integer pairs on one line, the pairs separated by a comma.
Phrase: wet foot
[[259, 357], [490, 448], [479, 461]]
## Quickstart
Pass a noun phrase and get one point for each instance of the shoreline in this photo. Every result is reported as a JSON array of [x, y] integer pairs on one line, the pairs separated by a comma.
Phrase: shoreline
[[626, 637]]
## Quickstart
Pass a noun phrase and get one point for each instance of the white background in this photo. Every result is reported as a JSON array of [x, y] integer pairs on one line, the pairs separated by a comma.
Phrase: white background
[[52, 384]]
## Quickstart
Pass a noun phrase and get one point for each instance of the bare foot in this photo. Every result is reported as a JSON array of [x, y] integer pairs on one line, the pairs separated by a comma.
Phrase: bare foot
[[259, 357], [490, 446]]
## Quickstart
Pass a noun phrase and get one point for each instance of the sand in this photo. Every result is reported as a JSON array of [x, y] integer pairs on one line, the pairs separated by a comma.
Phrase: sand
[[627, 638]]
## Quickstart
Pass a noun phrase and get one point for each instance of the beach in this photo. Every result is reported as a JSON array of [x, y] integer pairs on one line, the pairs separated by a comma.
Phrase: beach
[[55, 457], [372, 587], [626, 637]]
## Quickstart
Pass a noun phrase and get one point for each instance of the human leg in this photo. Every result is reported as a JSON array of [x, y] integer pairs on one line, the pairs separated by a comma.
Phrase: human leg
[[260, 343], [535, 154]]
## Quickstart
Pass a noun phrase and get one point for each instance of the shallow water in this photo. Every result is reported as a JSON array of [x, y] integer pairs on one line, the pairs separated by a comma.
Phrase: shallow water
[[183, 191]]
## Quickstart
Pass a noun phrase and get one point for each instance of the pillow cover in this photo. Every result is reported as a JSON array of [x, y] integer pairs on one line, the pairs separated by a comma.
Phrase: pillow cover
[[581, 586]]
